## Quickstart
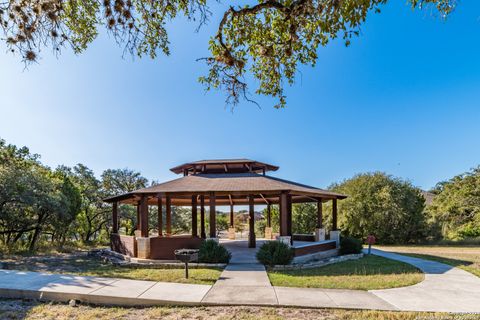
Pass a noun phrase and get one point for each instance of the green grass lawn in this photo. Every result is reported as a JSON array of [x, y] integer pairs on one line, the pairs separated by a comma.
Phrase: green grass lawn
[[367, 273], [464, 257], [82, 264], [30, 310]]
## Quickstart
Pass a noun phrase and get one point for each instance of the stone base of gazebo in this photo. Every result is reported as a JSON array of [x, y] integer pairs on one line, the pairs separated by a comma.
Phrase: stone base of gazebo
[[302, 248], [162, 248], [158, 248]]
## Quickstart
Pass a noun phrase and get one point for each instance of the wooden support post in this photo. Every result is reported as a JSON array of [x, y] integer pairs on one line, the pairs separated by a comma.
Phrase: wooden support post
[[283, 214], [289, 218], [138, 217], [269, 216], [144, 216], [194, 217], [115, 217], [168, 216], [319, 214], [160, 216], [202, 217], [251, 222], [334, 215], [213, 216], [231, 216]]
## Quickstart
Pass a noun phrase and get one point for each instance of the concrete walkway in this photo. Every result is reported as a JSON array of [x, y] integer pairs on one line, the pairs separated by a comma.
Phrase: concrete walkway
[[445, 288], [245, 282], [57, 287]]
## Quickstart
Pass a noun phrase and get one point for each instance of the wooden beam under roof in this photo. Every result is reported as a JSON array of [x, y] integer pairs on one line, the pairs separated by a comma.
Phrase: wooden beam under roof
[[266, 201]]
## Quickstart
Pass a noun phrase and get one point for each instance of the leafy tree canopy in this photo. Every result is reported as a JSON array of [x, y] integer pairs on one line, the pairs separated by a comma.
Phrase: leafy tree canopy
[[267, 39], [379, 204], [455, 211]]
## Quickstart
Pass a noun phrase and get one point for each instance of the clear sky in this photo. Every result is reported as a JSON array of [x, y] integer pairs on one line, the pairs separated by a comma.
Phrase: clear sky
[[403, 98]]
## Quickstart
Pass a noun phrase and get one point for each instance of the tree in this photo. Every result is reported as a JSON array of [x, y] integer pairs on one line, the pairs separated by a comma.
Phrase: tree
[[455, 211], [33, 199], [120, 181], [267, 39], [222, 222], [18, 178], [93, 214], [379, 204], [70, 201], [181, 219], [275, 217], [304, 217]]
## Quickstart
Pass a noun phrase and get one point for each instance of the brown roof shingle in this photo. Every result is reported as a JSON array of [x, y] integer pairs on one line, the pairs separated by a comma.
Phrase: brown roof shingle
[[231, 183]]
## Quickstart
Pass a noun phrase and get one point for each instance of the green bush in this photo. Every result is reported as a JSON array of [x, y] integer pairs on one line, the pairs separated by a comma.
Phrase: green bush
[[469, 230], [350, 245], [213, 252], [275, 252]]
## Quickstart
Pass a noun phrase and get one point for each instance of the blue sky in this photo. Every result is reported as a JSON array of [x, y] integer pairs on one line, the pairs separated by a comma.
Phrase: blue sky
[[403, 98]]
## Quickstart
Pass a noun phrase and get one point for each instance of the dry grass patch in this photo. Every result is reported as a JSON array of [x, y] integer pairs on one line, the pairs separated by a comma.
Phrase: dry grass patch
[[29, 310], [368, 273], [464, 257]]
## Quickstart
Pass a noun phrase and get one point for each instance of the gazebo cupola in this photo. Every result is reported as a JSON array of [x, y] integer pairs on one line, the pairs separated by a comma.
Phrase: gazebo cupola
[[223, 166]]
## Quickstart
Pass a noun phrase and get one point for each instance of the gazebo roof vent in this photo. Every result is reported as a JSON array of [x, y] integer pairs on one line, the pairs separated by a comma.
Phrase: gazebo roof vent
[[223, 166]]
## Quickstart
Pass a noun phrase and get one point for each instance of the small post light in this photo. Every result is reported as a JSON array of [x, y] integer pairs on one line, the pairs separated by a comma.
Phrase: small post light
[[370, 240]]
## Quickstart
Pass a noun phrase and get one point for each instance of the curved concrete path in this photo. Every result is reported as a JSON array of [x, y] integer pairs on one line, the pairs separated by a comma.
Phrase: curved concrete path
[[445, 288], [245, 282]]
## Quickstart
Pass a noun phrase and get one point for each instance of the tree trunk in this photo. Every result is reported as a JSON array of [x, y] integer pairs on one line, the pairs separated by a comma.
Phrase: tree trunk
[[36, 233]]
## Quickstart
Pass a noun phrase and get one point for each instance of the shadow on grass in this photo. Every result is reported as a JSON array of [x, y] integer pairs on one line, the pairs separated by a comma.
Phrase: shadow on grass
[[85, 265], [368, 265], [449, 261]]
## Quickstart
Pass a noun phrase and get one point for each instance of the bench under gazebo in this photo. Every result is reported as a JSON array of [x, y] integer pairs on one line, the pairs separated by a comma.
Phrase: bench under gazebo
[[212, 183]]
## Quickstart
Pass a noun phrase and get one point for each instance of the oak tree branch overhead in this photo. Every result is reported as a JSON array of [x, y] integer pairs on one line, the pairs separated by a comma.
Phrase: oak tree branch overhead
[[266, 40]]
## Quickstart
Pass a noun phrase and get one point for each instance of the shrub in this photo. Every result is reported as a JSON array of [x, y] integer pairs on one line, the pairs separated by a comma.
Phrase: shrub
[[275, 252], [469, 230], [350, 245], [213, 252]]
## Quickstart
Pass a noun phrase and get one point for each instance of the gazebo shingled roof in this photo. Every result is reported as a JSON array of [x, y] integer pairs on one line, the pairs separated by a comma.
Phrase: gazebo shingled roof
[[229, 184]]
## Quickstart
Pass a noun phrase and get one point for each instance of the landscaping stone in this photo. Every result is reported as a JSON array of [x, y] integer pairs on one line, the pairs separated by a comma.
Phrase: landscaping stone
[[318, 263]]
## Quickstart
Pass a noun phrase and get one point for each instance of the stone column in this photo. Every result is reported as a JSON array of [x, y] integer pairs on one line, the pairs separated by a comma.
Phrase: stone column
[[143, 247], [335, 235]]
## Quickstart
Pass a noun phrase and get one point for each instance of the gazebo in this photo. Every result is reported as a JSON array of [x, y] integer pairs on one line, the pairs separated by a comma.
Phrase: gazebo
[[229, 182]]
